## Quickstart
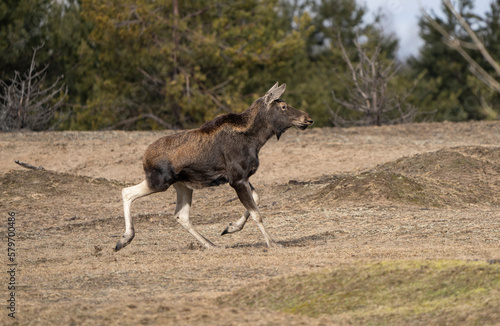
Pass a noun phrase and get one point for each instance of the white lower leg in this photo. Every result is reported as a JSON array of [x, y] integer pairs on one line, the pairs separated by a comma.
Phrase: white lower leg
[[184, 196], [186, 223], [128, 196], [238, 225], [258, 219]]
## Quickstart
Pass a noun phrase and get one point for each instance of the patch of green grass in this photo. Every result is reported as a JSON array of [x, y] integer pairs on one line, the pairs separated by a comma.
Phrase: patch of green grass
[[421, 292]]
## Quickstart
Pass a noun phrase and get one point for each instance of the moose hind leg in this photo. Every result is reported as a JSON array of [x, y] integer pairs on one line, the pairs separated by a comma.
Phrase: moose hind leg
[[128, 196], [183, 206], [238, 226]]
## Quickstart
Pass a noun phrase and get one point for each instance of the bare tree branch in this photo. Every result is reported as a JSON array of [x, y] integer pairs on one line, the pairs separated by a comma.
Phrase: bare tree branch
[[369, 94], [459, 45], [24, 104], [29, 166], [480, 46]]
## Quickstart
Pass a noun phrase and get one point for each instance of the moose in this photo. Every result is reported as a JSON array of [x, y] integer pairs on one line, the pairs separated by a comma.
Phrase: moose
[[224, 150]]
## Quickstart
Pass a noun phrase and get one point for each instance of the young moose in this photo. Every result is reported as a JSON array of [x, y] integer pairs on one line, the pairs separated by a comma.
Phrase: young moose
[[224, 150]]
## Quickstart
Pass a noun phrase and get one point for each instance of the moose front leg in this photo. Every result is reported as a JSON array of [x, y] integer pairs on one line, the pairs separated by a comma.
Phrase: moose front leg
[[128, 196], [238, 226], [245, 194]]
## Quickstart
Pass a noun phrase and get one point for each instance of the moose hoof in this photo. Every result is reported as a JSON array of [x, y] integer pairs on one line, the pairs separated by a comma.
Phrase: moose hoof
[[123, 242], [231, 228], [119, 245]]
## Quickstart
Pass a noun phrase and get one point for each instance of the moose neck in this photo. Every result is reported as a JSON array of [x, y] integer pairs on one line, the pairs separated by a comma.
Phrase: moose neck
[[260, 129]]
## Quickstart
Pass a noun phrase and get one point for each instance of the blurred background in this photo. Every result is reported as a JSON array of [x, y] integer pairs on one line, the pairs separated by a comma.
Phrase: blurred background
[[145, 64]]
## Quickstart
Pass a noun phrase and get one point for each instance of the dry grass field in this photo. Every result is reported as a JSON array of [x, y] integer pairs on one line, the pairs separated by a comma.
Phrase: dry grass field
[[380, 225]]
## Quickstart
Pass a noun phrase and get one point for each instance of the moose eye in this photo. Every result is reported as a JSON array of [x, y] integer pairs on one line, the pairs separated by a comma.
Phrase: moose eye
[[283, 107]]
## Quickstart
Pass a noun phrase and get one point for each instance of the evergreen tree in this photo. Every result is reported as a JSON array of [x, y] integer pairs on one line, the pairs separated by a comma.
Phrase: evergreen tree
[[69, 55], [23, 27], [448, 85], [185, 62]]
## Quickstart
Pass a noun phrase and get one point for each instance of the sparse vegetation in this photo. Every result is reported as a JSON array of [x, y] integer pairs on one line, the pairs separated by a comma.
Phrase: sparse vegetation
[[389, 292]]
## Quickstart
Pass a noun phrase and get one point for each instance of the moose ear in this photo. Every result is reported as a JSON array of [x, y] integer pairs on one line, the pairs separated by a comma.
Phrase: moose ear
[[274, 93], [272, 88]]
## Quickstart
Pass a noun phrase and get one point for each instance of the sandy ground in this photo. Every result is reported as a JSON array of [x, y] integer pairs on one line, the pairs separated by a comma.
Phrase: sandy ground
[[68, 222]]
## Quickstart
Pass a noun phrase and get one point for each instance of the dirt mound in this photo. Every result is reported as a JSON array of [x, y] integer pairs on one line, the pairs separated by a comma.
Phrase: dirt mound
[[458, 164], [58, 199], [378, 186], [490, 154], [29, 183], [455, 176]]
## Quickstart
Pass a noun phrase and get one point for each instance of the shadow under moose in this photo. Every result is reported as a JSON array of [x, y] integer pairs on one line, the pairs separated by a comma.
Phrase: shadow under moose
[[224, 150]]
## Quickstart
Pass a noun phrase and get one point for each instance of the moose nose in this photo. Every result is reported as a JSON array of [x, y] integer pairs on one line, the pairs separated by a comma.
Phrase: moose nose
[[310, 121]]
